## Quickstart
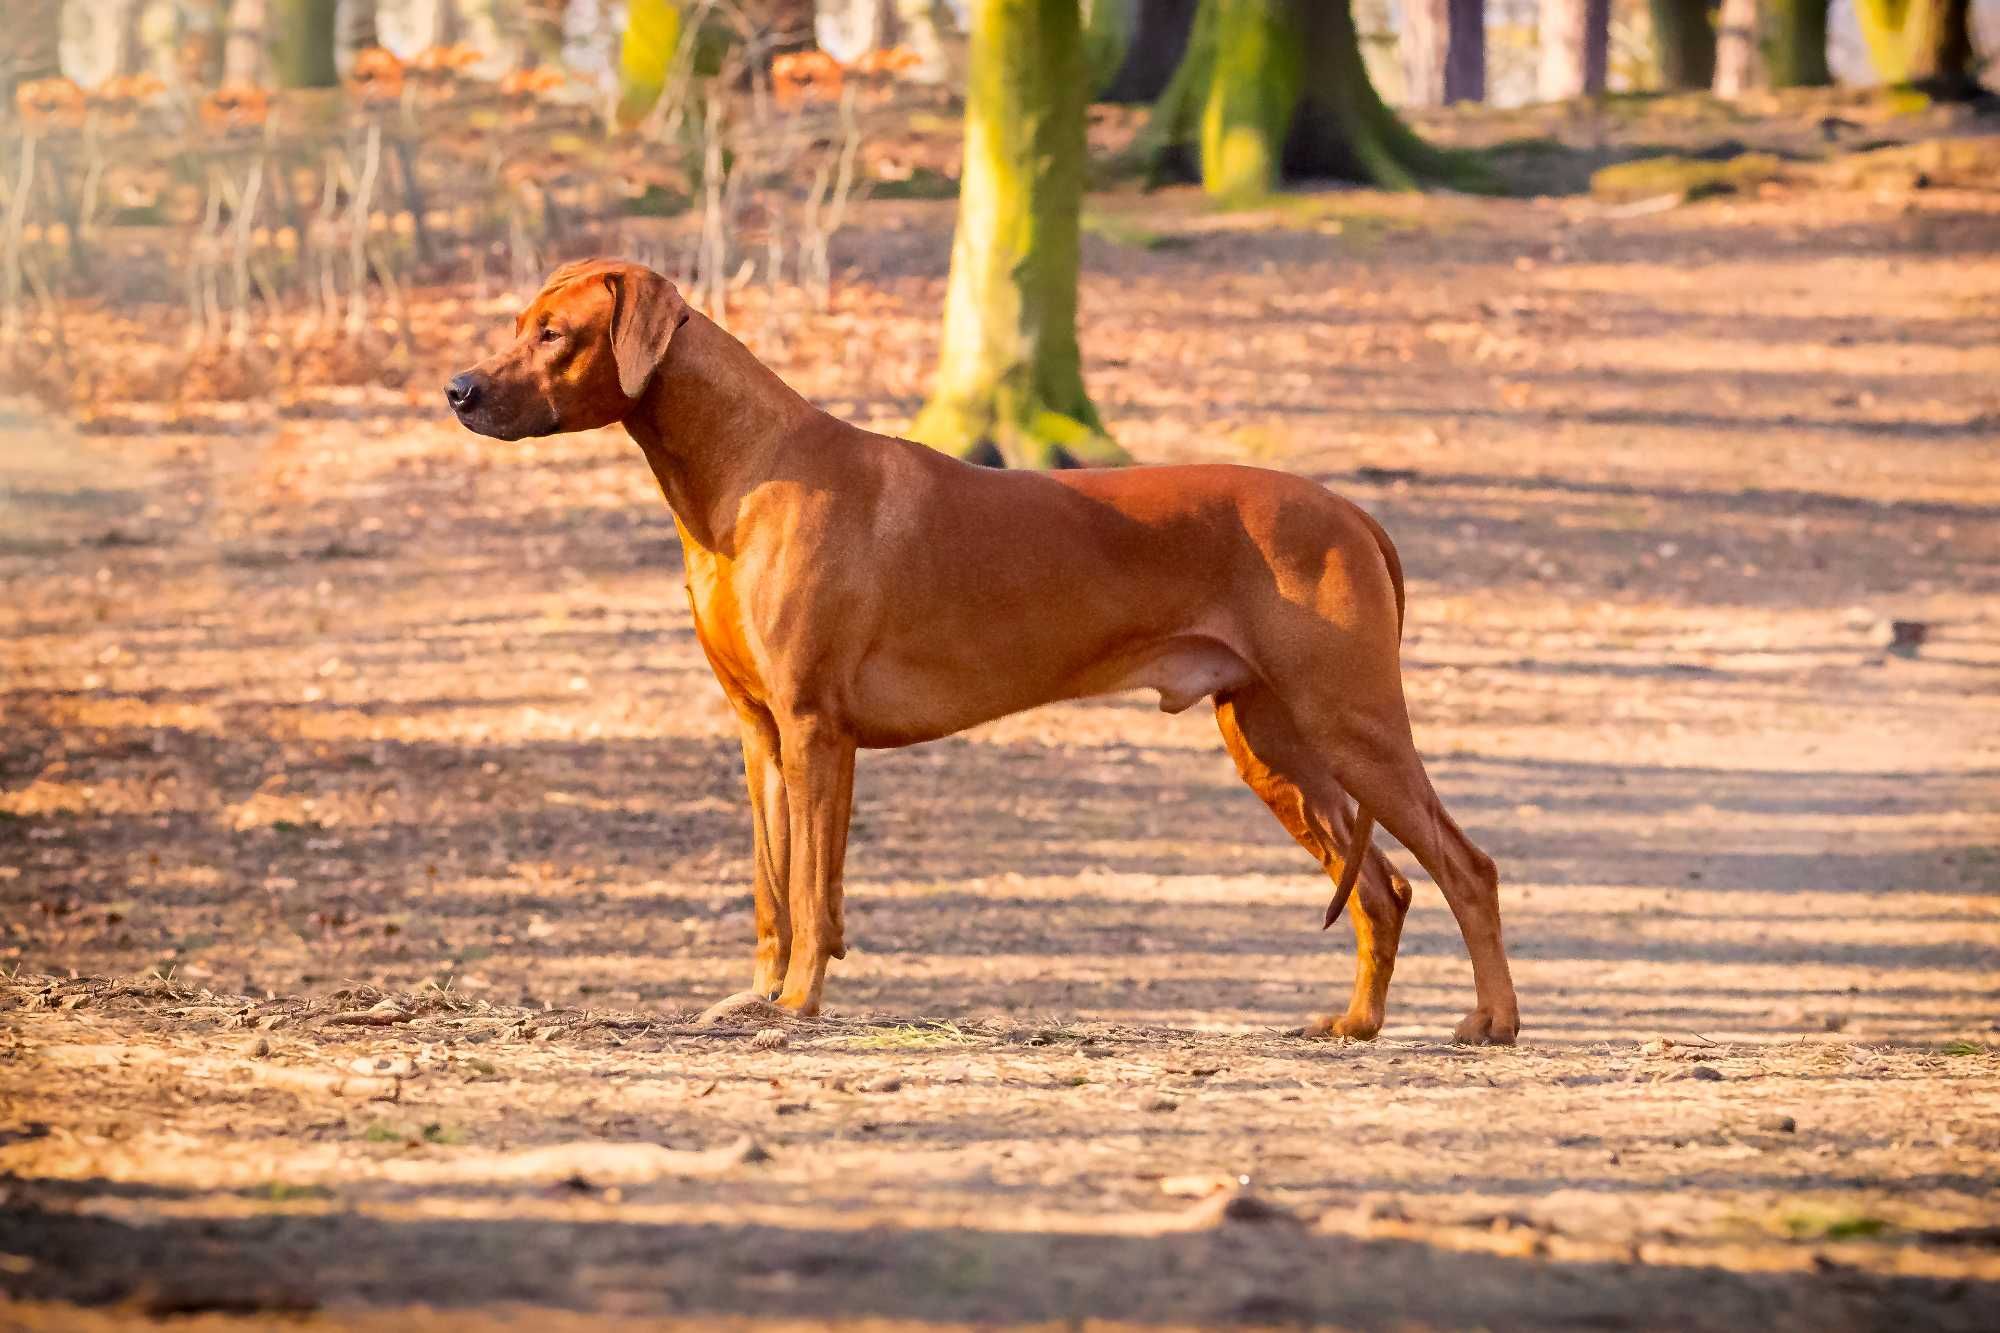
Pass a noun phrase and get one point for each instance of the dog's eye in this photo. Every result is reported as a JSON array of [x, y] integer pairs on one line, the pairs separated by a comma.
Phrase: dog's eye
[[551, 335]]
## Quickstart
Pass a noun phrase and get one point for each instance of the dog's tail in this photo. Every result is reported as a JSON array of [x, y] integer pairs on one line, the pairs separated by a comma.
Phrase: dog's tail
[[1350, 870]]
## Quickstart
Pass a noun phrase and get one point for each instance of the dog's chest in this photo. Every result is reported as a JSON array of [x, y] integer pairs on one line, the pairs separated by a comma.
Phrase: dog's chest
[[720, 624]]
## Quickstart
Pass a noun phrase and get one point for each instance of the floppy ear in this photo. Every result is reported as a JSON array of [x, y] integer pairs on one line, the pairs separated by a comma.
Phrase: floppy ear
[[645, 311]]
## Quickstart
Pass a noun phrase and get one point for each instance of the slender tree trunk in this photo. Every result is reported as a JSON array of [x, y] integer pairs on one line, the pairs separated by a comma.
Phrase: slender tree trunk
[[1795, 43], [1575, 47], [446, 22], [1443, 46], [542, 31], [1738, 62], [305, 40], [358, 26], [204, 23], [1159, 42], [124, 20], [243, 49], [1684, 40], [32, 49], [1276, 89], [917, 32], [1010, 378], [1937, 47]]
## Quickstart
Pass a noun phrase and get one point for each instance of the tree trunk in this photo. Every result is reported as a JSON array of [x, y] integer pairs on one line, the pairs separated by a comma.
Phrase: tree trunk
[[1937, 47], [917, 32], [1010, 377], [32, 50], [1107, 35], [1576, 47], [1684, 40], [646, 56], [1795, 43], [542, 31], [1276, 89], [358, 29], [1738, 63], [445, 25], [1158, 44], [1882, 29], [124, 37], [1444, 51], [243, 49], [304, 43], [200, 59]]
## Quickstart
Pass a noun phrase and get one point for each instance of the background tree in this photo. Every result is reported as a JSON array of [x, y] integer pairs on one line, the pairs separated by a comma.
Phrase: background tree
[[1738, 63], [243, 48], [1927, 43], [303, 42], [359, 28], [33, 46], [1684, 42], [542, 31], [1154, 50], [1795, 43], [1276, 89], [1010, 378], [1575, 43], [1108, 26], [1443, 45], [646, 55]]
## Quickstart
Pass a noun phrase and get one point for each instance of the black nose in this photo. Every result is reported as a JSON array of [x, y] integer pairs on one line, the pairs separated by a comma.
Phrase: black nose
[[462, 392]]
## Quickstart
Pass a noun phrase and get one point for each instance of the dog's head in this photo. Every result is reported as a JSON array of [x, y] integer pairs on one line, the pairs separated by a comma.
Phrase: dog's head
[[584, 352]]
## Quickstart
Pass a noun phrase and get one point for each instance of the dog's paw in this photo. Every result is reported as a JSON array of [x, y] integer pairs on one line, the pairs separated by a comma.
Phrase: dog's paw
[[1480, 1028], [1347, 1026], [743, 1009]]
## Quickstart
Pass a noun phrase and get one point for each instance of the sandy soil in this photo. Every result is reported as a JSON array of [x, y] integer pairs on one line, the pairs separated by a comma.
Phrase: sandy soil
[[318, 707]]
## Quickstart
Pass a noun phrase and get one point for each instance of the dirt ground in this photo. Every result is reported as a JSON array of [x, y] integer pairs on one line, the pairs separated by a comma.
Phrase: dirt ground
[[371, 831]]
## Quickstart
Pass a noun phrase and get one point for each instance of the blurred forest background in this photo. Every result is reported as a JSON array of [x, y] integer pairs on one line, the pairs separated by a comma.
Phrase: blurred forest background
[[276, 177]]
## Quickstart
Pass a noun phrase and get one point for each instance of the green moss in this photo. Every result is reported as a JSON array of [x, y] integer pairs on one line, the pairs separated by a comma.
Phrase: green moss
[[1651, 177], [1829, 1224]]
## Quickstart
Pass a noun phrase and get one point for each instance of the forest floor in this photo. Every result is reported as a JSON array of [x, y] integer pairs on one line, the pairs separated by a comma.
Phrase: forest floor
[[371, 829]]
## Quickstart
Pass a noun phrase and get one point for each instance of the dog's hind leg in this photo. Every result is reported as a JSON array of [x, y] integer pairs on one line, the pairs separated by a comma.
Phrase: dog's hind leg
[[1378, 762], [1300, 788]]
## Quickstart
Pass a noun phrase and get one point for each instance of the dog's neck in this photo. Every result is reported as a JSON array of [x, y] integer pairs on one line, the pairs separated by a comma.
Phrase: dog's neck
[[709, 425]]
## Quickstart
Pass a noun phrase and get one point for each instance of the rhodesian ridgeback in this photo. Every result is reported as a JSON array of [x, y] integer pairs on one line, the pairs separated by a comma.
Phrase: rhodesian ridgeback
[[855, 591]]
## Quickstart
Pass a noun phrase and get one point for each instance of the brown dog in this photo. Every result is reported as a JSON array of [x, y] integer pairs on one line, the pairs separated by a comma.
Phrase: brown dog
[[853, 590]]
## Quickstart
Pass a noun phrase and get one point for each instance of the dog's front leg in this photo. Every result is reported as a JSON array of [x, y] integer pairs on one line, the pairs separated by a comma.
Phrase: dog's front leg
[[818, 762], [772, 820]]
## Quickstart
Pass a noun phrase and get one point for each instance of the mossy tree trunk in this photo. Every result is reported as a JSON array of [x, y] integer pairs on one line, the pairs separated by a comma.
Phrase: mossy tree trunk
[[1882, 30], [1795, 43], [304, 42], [1108, 26], [1010, 377], [1684, 41], [646, 52], [1272, 90]]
